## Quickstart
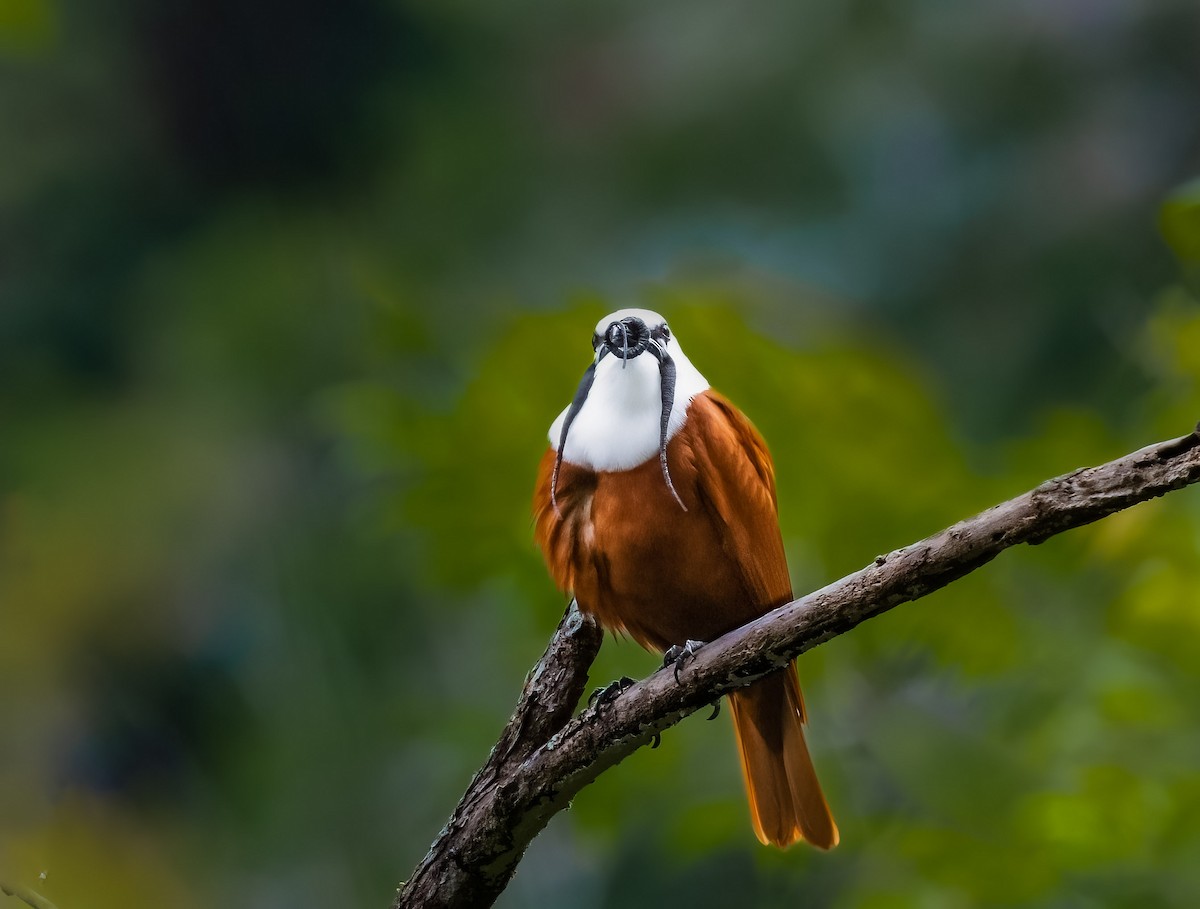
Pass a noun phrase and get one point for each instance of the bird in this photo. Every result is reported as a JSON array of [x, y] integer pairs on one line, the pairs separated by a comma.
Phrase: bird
[[655, 507]]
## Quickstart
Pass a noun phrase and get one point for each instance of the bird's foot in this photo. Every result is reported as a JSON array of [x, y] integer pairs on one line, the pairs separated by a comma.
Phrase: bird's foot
[[610, 692], [680, 656], [716, 706]]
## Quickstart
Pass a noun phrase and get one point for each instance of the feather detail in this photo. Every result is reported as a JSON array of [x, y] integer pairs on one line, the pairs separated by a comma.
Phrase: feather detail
[[620, 544]]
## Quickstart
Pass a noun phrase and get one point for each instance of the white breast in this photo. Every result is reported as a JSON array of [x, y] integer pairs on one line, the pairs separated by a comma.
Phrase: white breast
[[618, 426]]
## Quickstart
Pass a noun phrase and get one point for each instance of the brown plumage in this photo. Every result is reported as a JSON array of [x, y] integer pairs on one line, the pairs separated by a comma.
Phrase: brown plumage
[[620, 542]]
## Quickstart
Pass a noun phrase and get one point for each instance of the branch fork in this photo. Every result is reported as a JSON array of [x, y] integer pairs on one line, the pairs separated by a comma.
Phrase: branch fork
[[545, 755]]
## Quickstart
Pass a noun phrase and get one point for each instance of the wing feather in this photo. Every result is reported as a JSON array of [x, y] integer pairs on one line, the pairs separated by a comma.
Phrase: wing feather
[[731, 449]]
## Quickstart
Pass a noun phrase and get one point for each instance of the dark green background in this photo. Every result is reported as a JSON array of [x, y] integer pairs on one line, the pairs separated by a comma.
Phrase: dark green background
[[290, 293]]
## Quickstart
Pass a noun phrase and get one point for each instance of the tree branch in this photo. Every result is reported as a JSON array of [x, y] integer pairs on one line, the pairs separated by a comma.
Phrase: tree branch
[[544, 758], [476, 853], [26, 895]]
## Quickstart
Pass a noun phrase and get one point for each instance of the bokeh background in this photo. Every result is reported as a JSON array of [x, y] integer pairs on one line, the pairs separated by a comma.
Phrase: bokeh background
[[290, 292]]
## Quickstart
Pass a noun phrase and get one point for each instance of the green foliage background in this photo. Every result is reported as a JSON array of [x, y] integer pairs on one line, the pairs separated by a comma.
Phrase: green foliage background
[[290, 292]]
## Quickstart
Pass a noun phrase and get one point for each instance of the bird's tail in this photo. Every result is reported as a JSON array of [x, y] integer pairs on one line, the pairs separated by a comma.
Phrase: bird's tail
[[786, 802]]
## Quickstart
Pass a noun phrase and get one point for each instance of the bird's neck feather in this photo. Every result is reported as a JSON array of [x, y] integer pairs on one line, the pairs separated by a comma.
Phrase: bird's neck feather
[[618, 426]]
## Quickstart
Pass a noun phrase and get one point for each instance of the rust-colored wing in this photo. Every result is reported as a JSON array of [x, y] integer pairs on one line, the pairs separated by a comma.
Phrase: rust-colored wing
[[729, 447], [554, 548], [556, 533], [786, 802]]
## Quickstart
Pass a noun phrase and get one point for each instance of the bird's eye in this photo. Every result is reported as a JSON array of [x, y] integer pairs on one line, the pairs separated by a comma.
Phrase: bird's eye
[[661, 334]]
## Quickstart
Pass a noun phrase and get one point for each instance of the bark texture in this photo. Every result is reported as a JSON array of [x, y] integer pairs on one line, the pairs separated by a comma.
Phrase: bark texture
[[545, 756]]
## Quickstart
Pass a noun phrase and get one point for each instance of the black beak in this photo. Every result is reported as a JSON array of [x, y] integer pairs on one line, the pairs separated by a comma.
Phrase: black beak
[[626, 338]]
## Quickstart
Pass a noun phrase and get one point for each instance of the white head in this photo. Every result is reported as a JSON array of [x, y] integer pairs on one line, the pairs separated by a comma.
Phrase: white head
[[616, 419]]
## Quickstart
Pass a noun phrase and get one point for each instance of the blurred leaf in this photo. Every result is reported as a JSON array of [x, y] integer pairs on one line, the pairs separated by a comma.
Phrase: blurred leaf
[[93, 856], [1110, 815], [1179, 220], [27, 26]]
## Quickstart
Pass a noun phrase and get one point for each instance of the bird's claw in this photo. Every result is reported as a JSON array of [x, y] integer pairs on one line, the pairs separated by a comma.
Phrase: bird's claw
[[610, 692], [716, 706], [655, 740], [680, 656]]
